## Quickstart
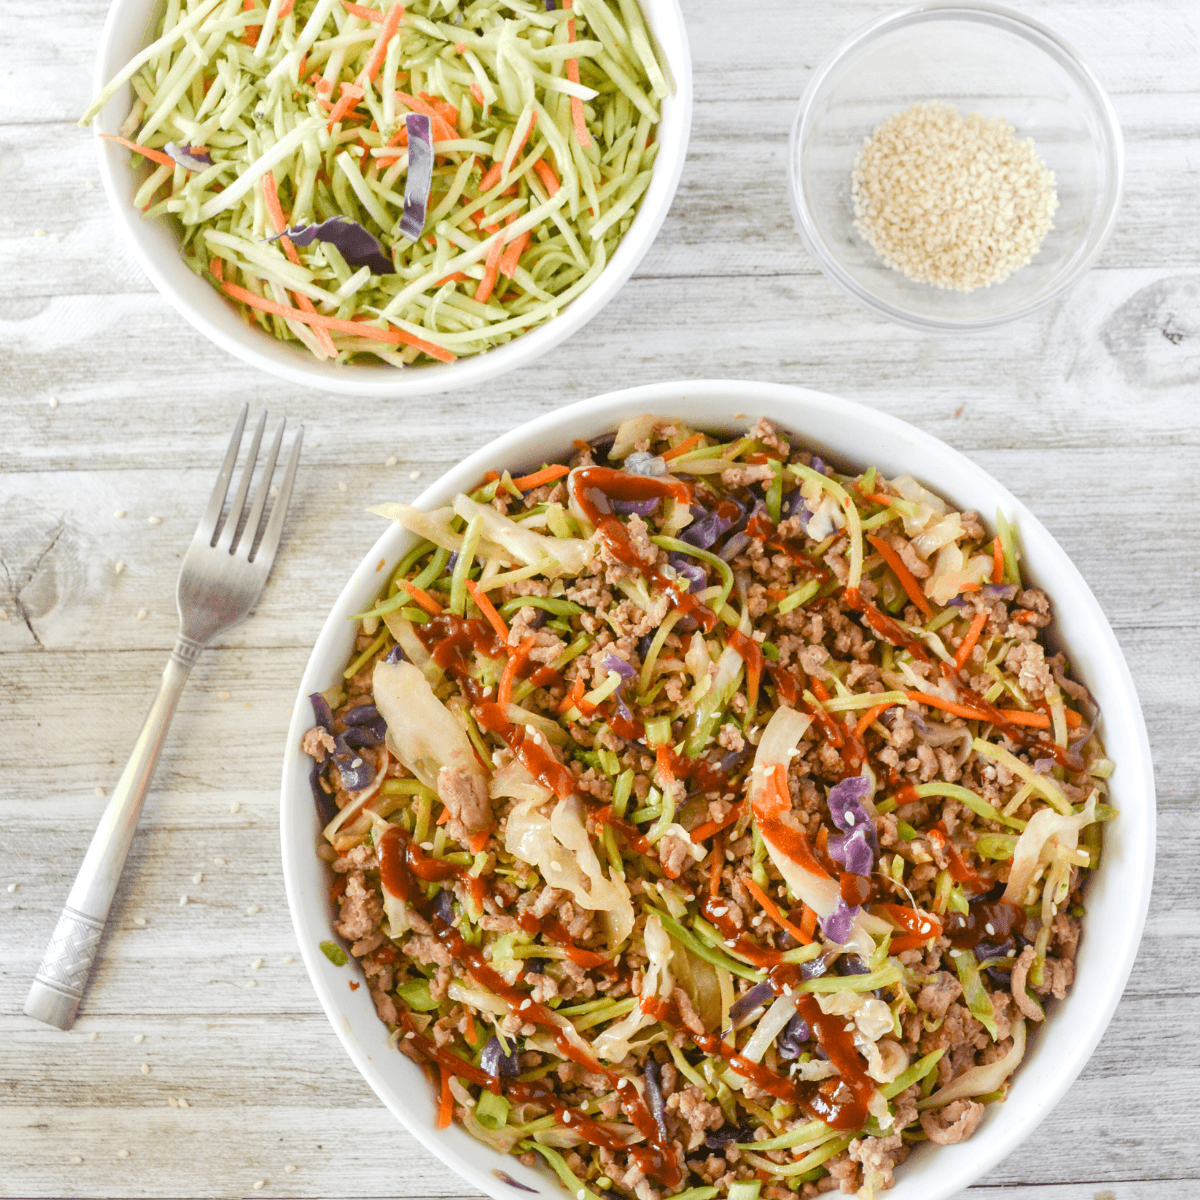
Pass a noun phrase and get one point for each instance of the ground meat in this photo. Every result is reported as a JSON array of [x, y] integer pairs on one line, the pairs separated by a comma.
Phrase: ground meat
[[687, 1012], [908, 556], [1028, 664], [1066, 936], [359, 909], [843, 1170], [939, 993], [954, 1123], [317, 743], [428, 950], [385, 1006], [1019, 972], [1057, 978], [879, 1157], [673, 854], [736, 477], [466, 800]]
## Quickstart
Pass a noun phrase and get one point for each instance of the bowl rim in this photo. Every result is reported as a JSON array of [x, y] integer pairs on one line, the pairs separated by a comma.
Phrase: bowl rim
[[253, 346], [1031, 31], [959, 1166]]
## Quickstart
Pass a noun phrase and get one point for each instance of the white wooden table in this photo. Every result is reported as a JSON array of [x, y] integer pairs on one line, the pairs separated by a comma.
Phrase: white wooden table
[[193, 1072]]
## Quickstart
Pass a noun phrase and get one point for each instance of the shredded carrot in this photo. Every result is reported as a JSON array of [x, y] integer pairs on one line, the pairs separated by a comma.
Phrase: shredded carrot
[[571, 699], [772, 910], [477, 94], [395, 337], [216, 268], [546, 174], [153, 155], [439, 129], [870, 715], [1023, 616], [545, 475], [774, 798], [365, 14], [818, 688], [250, 35], [391, 23], [424, 599], [489, 611], [443, 818], [662, 764], [716, 866], [472, 1035], [480, 840], [1014, 716], [808, 923], [971, 637], [457, 277], [683, 447], [572, 64], [703, 832], [285, 9], [516, 660], [491, 268], [275, 212], [997, 560], [902, 573], [511, 258], [351, 95], [491, 177], [446, 1108]]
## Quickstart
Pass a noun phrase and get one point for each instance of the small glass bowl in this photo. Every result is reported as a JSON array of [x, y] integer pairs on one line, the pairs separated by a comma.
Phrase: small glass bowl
[[980, 58]]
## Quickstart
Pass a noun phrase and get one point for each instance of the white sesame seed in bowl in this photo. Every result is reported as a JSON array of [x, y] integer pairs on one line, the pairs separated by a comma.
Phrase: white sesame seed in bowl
[[955, 166]]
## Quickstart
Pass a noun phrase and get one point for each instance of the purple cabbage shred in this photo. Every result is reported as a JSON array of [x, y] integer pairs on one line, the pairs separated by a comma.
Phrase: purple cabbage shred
[[420, 176], [495, 1062], [191, 157], [358, 246], [643, 508], [839, 925], [790, 1042], [504, 1176], [654, 1097], [691, 570]]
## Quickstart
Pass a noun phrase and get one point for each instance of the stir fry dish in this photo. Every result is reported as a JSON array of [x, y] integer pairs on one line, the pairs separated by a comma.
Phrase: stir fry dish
[[708, 820]]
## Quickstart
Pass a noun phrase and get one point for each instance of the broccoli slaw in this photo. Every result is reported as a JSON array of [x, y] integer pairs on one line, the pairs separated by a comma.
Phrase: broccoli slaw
[[706, 819], [403, 182]]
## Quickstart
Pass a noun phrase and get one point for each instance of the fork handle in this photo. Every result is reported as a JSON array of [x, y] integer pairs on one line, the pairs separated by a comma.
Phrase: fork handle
[[59, 982]]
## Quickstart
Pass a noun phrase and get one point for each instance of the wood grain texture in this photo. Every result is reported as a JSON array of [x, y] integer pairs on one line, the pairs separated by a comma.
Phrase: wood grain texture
[[1086, 410]]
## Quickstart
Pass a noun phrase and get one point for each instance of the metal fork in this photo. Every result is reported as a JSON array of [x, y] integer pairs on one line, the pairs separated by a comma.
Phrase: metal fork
[[222, 577]]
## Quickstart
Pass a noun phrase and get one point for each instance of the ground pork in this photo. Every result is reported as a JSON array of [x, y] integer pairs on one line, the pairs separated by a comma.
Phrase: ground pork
[[359, 909], [939, 993], [954, 1123], [1020, 970], [879, 1157], [317, 743], [466, 800], [1028, 664], [673, 854]]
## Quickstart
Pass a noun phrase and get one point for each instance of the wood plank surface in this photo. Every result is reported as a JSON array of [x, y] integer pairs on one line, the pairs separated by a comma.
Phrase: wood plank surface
[[111, 403]]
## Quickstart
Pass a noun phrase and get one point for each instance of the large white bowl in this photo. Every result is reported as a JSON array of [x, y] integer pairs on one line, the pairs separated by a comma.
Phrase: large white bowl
[[847, 432], [155, 244]]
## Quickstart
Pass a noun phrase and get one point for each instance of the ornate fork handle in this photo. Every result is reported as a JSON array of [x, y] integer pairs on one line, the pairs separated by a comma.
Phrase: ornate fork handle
[[60, 980]]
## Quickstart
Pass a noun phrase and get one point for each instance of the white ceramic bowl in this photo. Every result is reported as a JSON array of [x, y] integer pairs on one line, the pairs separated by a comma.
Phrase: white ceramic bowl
[[130, 26], [851, 433]]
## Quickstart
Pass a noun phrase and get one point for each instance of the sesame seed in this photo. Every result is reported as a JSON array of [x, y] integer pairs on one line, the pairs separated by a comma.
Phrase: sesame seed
[[566, 1118], [172, 1102], [341, 485], [154, 520], [222, 695], [409, 1036], [3, 615], [142, 614], [120, 513], [54, 237], [251, 983], [849, 819], [119, 567], [259, 1184], [290, 1169], [256, 964], [183, 899], [288, 959], [414, 474], [139, 920], [198, 877], [182, 1102], [252, 910], [12, 887], [950, 201], [53, 401], [145, 1068], [234, 806], [392, 460], [75, 1160], [990, 928], [220, 862], [122, 1153], [93, 1037], [1011, 953], [42, 233]]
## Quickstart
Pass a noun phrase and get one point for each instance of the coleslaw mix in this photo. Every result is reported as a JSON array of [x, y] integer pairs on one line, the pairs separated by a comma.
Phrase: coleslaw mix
[[391, 181], [709, 821]]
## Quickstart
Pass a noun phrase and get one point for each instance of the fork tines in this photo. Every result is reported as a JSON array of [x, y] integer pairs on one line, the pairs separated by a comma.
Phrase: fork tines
[[233, 534]]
